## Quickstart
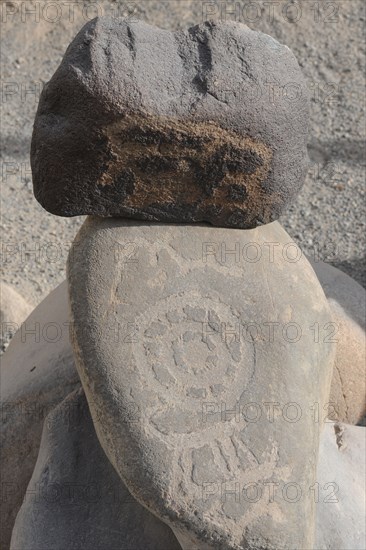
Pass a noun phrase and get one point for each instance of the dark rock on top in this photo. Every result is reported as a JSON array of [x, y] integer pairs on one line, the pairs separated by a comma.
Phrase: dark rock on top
[[208, 124]]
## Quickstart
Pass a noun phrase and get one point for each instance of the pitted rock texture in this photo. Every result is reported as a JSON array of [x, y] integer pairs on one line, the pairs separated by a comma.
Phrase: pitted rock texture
[[199, 405], [208, 124], [75, 498]]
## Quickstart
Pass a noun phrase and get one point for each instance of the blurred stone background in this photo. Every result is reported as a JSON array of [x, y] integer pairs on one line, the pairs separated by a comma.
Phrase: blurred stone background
[[327, 38]]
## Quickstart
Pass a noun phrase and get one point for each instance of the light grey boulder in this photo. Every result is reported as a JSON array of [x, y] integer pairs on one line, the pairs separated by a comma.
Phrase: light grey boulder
[[75, 498], [340, 488], [200, 406], [14, 309], [347, 300], [37, 372]]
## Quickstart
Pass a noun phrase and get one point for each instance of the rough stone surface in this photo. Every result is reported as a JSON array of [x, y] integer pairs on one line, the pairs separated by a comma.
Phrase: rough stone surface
[[171, 126], [13, 311], [341, 509], [178, 400], [347, 300], [76, 499], [37, 372]]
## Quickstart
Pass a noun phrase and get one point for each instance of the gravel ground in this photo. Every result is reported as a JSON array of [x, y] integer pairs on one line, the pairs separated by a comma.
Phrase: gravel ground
[[328, 218]]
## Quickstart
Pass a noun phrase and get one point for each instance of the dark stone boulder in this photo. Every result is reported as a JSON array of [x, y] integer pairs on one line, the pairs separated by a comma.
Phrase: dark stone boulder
[[207, 124]]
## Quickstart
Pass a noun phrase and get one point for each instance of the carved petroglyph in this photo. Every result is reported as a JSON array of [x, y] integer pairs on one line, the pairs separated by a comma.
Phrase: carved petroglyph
[[217, 168], [174, 404]]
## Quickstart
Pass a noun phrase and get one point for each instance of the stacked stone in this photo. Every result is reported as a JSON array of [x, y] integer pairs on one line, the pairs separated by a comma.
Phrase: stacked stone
[[181, 127], [192, 323]]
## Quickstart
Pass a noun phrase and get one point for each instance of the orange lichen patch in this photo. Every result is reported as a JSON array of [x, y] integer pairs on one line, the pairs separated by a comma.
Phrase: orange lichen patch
[[166, 161]]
